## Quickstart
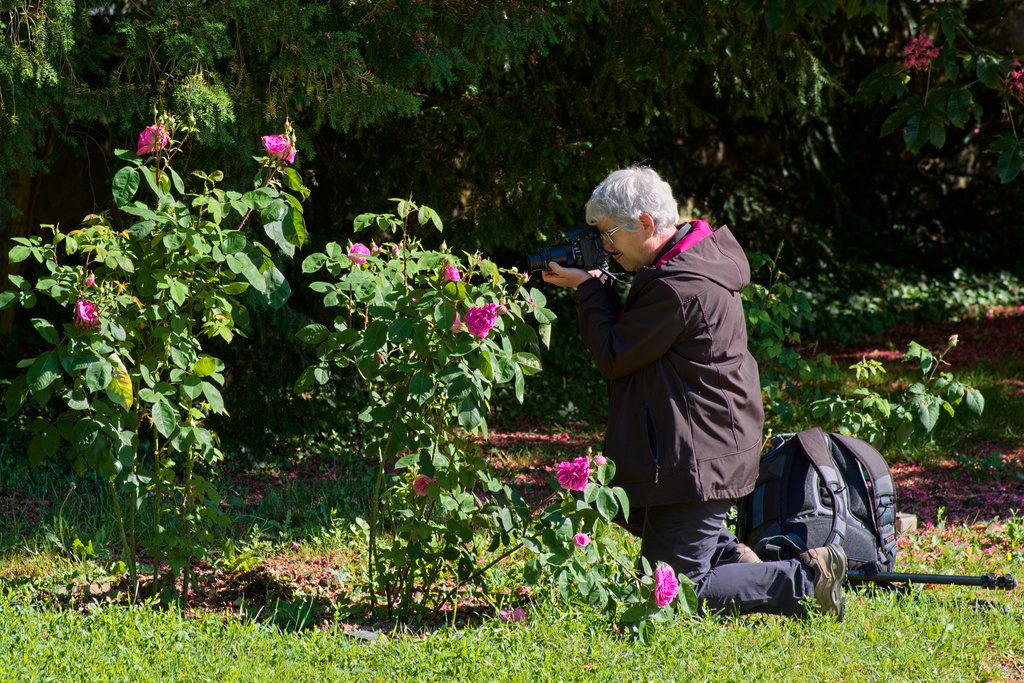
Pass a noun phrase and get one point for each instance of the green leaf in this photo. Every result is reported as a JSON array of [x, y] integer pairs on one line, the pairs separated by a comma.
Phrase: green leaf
[[15, 395], [775, 15], [43, 372], [958, 108], [1010, 163], [273, 224], [46, 330], [975, 401], [421, 387], [544, 315], [125, 185], [469, 415], [399, 330], [292, 180], [927, 409], [191, 387], [428, 214], [915, 134], [50, 440], [179, 292], [532, 572], [528, 362], [305, 380], [623, 501], [213, 397], [205, 366], [313, 333], [179, 185], [313, 262], [606, 504], [164, 417], [544, 330], [444, 315], [896, 120], [937, 134], [120, 389], [19, 253], [988, 71], [276, 289], [363, 221], [84, 433]]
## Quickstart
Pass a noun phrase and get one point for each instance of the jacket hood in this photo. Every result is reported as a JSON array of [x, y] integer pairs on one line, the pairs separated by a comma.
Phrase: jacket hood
[[703, 254]]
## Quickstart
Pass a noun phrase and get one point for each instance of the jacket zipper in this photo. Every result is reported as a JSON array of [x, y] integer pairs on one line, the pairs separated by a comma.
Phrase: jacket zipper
[[652, 440]]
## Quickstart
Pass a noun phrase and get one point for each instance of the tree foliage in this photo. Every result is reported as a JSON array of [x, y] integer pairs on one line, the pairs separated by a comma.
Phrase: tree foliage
[[504, 114]]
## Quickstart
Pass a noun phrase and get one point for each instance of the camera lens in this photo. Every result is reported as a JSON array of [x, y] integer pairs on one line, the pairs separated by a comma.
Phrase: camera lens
[[561, 254]]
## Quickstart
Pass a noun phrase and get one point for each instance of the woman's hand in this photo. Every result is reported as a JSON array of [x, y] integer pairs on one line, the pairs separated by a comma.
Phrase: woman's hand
[[567, 277]]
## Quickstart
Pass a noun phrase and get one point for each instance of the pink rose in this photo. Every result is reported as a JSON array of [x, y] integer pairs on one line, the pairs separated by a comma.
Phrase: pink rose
[[517, 614], [395, 249], [278, 146], [480, 319], [90, 281], [420, 484], [581, 540], [152, 139], [451, 274], [666, 585], [600, 460], [457, 325], [358, 251], [574, 475], [86, 316]]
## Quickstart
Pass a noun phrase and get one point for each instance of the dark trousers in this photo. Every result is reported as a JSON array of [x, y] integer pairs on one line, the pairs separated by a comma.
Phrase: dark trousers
[[692, 539]]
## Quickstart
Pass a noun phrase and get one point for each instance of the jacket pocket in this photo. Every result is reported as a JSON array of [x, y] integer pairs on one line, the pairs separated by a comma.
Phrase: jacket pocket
[[652, 439]]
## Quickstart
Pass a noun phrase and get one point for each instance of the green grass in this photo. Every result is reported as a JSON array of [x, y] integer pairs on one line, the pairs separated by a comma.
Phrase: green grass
[[310, 498], [920, 637]]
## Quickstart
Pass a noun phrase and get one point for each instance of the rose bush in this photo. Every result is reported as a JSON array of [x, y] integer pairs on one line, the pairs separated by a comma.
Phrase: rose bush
[[130, 366], [401, 323]]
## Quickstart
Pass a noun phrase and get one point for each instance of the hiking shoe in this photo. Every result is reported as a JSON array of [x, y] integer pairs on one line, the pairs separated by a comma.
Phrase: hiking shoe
[[745, 554], [829, 565]]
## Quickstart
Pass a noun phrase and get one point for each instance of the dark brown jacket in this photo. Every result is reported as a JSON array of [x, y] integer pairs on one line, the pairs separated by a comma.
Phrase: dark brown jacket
[[685, 413]]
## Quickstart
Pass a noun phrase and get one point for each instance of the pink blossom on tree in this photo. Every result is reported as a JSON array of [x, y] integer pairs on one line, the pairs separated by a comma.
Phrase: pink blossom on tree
[[666, 585], [457, 325], [919, 52], [581, 540], [1015, 82], [573, 475], [600, 460]]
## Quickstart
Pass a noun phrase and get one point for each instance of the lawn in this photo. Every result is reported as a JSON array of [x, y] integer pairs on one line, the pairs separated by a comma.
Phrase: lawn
[[283, 598]]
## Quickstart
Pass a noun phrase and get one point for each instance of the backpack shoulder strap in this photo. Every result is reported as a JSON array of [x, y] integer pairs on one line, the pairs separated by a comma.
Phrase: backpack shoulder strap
[[883, 490], [815, 444]]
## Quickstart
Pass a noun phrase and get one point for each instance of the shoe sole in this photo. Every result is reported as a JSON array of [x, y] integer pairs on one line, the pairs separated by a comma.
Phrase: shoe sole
[[837, 574]]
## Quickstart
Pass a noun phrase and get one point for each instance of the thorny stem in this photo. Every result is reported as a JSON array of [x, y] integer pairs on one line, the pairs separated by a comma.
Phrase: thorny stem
[[128, 550], [480, 572]]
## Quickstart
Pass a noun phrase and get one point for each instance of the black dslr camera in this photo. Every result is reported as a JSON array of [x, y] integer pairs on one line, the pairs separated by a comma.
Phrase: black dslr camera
[[581, 249]]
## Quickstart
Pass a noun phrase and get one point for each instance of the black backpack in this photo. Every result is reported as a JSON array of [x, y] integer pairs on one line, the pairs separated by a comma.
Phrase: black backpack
[[814, 489]]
